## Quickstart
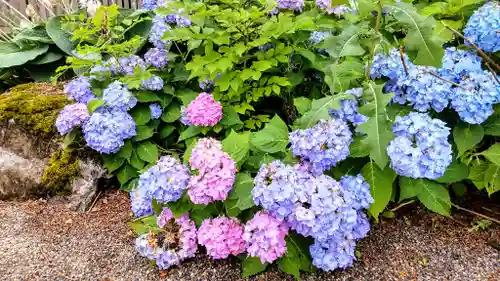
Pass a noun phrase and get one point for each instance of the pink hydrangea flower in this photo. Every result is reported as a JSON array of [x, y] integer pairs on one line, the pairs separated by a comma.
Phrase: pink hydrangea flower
[[204, 111], [222, 237], [215, 175], [265, 237]]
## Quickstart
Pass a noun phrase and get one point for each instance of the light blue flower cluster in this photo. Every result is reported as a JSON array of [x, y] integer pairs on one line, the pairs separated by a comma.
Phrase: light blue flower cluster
[[427, 88], [79, 90], [165, 181], [421, 148], [117, 96], [127, 65], [323, 145], [349, 109], [154, 83], [71, 116], [483, 26], [295, 5], [107, 128], [141, 202], [317, 37], [317, 206], [149, 4], [156, 57], [158, 28], [156, 110], [179, 20], [337, 10]]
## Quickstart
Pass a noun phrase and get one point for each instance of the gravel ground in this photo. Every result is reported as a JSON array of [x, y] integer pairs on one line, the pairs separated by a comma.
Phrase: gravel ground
[[41, 240]]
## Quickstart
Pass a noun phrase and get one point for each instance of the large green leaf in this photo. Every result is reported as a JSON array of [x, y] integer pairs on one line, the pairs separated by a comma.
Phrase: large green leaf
[[60, 37], [345, 44], [143, 133], [423, 46], [295, 258], [339, 76], [380, 182], [477, 172], [190, 132], [126, 173], [237, 146], [36, 33], [273, 138], [466, 136], [48, 57], [455, 172], [147, 151], [251, 266], [407, 188], [229, 117], [378, 127], [492, 125], [141, 114], [493, 153], [8, 47], [320, 110], [492, 178], [434, 196], [112, 162], [21, 57], [302, 104], [242, 191], [172, 113]]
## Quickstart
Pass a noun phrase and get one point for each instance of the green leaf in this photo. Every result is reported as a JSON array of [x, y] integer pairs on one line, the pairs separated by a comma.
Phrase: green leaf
[[380, 182], [94, 104], [181, 206], [434, 196], [242, 191], [320, 110], [339, 77], [136, 162], [493, 153], [359, 147], [126, 150], [273, 138], [423, 46], [47, 58], [302, 104], [190, 132], [296, 257], [290, 262], [443, 32], [172, 113], [147, 151], [407, 188], [230, 117], [60, 37], [477, 172], [378, 128], [467, 136], [189, 150], [147, 96], [251, 266], [21, 57], [455, 172], [186, 95], [166, 130], [112, 162], [141, 114], [492, 125], [345, 44], [237, 146], [126, 173], [434, 8], [492, 178], [143, 133]]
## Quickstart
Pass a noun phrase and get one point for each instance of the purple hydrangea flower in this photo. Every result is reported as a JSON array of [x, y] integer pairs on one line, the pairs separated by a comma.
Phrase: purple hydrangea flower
[[295, 5], [156, 57], [337, 10], [127, 65], [79, 90], [156, 110], [71, 116], [158, 28], [141, 202], [222, 237]]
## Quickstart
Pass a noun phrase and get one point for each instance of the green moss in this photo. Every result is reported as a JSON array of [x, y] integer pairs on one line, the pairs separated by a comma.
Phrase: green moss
[[63, 168], [35, 105]]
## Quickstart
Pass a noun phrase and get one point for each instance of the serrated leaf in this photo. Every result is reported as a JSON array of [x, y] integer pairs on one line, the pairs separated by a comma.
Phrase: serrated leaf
[[112, 162], [229, 117], [345, 44], [467, 136], [141, 114], [237, 146], [493, 153], [126, 173], [477, 172], [273, 138], [147, 151], [380, 182], [423, 46], [172, 113], [143, 133], [320, 110], [302, 104], [378, 128], [434, 196], [190, 132], [126, 150], [242, 191], [94, 104], [407, 188], [455, 172], [251, 266], [492, 178]]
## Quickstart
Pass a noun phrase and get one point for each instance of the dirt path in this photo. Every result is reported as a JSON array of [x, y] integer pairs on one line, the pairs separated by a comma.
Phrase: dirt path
[[41, 240]]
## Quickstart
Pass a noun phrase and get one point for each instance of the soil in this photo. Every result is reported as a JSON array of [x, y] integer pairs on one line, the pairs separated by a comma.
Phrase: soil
[[42, 240]]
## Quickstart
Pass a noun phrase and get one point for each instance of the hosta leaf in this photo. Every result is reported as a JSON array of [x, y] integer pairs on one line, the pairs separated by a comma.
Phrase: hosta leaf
[[378, 128], [60, 37], [320, 110], [237, 146], [273, 138], [466, 136], [21, 57], [423, 46], [380, 182]]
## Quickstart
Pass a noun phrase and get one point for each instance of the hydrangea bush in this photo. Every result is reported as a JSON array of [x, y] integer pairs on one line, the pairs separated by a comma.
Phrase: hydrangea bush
[[275, 131]]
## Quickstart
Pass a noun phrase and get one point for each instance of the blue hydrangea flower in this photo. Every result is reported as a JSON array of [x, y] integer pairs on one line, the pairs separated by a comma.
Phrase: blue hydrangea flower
[[107, 68], [127, 65], [107, 128], [148, 4], [295, 5], [475, 104], [355, 92], [165, 181], [156, 57], [154, 83], [323, 145], [458, 64], [71, 116], [79, 90], [156, 110], [421, 148], [483, 26], [349, 113], [143, 247], [158, 28], [389, 66], [331, 255], [337, 10], [116, 95], [317, 36], [356, 192], [141, 202]]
